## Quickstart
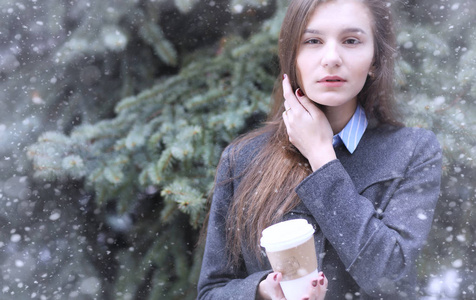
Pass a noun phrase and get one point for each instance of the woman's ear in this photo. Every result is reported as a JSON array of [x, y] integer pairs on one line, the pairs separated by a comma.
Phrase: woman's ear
[[372, 71]]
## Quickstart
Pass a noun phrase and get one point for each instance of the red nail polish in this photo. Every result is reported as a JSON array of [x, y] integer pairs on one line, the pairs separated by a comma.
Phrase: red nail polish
[[314, 283], [284, 76], [321, 282], [300, 93], [275, 277]]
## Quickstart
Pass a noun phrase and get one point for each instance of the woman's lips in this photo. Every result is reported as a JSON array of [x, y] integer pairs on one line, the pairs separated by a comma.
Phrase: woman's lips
[[332, 81]]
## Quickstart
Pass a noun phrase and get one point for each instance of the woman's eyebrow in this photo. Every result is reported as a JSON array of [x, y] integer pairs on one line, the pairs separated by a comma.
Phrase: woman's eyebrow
[[344, 31], [354, 30]]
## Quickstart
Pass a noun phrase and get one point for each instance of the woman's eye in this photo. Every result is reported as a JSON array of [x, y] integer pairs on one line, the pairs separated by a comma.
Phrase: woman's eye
[[312, 41], [352, 42]]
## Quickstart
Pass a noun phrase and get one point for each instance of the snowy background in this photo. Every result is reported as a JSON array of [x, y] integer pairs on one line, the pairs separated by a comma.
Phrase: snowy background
[[113, 115]]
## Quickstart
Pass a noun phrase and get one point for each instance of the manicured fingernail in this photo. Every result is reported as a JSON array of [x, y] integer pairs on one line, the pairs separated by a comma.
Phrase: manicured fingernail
[[314, 283], [321, 281], [284, 76], [275, 277], [299, 92]]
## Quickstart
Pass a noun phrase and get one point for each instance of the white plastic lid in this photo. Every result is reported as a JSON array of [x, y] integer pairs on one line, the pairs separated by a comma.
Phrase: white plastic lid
[[285, 235]]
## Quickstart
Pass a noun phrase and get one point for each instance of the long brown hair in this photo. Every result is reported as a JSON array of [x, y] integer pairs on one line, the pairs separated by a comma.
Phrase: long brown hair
[[266, 190]]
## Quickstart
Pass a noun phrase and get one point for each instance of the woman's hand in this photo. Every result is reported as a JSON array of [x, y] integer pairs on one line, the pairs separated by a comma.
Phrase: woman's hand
[[317, 289], [307, 126], [269, 289]]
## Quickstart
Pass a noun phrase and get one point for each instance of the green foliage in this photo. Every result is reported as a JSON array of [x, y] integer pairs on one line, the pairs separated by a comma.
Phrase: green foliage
[[154, 36], [169, 133], [438, 82]]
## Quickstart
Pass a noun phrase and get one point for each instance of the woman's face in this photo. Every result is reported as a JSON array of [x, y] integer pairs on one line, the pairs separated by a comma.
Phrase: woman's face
[[336, 52]]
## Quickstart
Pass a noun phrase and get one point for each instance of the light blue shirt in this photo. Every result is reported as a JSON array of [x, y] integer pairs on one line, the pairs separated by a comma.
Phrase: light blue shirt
[[354, 130]]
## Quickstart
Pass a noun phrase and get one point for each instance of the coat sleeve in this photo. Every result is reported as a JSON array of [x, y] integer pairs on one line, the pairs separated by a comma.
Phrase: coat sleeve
[[378, 248], [218, 280]]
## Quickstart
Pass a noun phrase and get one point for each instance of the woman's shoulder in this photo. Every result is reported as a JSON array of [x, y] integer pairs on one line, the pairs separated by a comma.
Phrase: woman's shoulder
[[244, 148], [398, 146], [388, 151], [401, 135]]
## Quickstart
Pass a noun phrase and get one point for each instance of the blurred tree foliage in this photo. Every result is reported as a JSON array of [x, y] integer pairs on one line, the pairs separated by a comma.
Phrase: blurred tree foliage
[[119, 113]]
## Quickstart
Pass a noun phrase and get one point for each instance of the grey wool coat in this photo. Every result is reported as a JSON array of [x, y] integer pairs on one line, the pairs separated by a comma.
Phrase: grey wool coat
[[372, 211]]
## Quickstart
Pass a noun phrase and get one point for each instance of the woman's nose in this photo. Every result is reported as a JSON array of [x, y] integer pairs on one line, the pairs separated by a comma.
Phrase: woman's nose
[[331, 57]]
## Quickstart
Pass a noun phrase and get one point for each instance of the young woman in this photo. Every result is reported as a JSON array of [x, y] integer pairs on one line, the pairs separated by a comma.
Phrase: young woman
[[334, 154]]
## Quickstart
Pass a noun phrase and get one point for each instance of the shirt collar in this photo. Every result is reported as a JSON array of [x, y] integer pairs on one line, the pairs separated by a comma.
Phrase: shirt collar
[[354, 130]]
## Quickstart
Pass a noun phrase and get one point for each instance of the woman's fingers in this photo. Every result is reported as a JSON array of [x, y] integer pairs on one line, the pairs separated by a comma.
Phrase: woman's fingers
[[296, 101], [317, 289], [322, 287], [287, 93], [307, 104], [270, 289], [291, 102]]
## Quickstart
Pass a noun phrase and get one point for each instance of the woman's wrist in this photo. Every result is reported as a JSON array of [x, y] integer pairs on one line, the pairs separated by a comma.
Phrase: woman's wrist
[[320, 158]]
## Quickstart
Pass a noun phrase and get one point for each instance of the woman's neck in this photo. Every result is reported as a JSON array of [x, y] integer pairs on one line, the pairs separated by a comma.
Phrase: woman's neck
[[339, 116]]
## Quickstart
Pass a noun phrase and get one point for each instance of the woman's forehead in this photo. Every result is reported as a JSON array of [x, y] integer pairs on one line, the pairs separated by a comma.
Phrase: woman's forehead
[[340, 13]]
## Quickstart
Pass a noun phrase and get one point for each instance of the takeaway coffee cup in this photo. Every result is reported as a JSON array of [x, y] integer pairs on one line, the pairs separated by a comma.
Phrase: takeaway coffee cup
[[290, 249]]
